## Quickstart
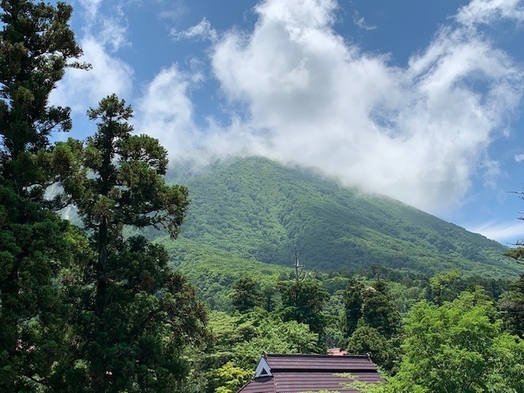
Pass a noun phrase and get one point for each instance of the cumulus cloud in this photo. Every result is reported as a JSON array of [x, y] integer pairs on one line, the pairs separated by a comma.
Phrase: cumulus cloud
[[416, 133], [102, 36], [83, 89], [166, 111], [519, 157]]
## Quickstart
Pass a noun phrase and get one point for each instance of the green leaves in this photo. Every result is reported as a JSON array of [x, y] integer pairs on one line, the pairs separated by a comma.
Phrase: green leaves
[[35, 47], [115, 178], [458, 347], [133, 317]]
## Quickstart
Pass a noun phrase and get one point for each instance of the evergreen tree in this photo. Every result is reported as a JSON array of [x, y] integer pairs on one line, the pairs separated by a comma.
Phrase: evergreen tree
[[36, 44], [352, 305], [368, 340], [135, 316], [373, 305], [512, 308], [246, 295], [303, 301], [378, 310], [373, 322]]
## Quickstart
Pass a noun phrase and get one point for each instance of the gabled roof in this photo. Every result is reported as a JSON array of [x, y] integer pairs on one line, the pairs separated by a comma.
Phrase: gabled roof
[[302, 373]]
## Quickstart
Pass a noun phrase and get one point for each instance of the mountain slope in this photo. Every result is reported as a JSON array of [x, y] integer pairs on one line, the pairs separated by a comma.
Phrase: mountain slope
[[254, 208]]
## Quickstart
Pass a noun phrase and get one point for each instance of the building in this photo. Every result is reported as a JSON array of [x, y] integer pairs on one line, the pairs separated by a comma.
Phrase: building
[[309, 373]]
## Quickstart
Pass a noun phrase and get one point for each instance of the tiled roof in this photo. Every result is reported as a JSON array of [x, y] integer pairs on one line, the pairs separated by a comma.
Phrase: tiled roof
[[320, 362], [302, 373]]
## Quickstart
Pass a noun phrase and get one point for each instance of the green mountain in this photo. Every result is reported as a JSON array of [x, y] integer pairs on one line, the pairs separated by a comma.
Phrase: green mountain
[[257, 210]]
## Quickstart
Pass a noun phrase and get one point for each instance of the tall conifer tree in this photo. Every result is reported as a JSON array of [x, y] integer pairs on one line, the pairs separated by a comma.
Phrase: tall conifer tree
[[36, 45], [135, 316]]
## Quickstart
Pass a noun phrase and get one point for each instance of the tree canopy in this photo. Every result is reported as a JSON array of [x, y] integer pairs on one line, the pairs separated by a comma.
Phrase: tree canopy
[[134, 316]]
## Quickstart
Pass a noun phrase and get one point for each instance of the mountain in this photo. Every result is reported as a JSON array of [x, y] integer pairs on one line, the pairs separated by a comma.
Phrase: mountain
[[257, 210]]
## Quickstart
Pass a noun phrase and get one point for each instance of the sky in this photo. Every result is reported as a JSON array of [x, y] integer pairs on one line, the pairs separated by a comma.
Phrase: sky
[[421, 101]]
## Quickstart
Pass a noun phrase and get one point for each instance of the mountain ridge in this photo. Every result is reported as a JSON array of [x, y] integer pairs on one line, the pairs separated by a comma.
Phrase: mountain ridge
[[258, 209]]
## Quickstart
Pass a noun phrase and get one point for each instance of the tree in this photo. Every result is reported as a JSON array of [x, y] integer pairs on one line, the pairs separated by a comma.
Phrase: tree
[[36, 45], [240, 340], [378, 310], [246, 295], [368, 340], [352, 305], [373, 322], [33, 250], [458, 347], [135, 316], [303, 301], [512, 308], [371, 304], [446, 286]]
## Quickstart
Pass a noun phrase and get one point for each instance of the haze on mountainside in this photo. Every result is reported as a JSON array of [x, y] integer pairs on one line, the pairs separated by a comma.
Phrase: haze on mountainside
[[290, 83]]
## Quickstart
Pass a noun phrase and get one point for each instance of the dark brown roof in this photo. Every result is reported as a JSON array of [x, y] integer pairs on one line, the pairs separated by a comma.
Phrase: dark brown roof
[[302, 373], [320, 362]]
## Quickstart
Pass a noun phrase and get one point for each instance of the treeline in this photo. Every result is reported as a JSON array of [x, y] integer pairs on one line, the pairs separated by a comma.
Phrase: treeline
[[457, 334], [82, 309]]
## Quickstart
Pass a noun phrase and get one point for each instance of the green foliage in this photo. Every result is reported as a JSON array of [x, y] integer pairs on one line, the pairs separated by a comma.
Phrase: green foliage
[[445, 286], [353, 306], [213, 271], [254, 208], [372, 322], [134, 317], [240, 340], [33, 250], [36, 44], [303, 301], [115, 179], [232, 378], [512, 308], [385, 352], [245, 295], [373, 305], [458, 347]]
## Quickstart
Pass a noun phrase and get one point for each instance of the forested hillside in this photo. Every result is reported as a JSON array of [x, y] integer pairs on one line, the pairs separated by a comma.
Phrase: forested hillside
[[108, 303], [254, 208]]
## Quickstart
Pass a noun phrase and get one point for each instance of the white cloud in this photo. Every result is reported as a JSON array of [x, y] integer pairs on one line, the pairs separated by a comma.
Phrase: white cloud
[[361, 23], [113, 33], [109, 27], [166, 112], [490, 11], [202, 31], [83, 89], [416, 133], [103, 34], [91, 7], [519, 157]]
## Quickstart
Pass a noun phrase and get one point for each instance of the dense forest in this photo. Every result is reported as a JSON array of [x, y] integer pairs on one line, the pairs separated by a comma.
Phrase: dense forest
[[163, 287]]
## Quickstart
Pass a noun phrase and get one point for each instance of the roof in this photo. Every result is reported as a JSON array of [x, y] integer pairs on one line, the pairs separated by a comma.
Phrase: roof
[[302, 373]]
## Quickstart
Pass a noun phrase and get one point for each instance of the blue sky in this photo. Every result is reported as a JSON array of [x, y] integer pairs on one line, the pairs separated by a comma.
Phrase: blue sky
[[418, 100]]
